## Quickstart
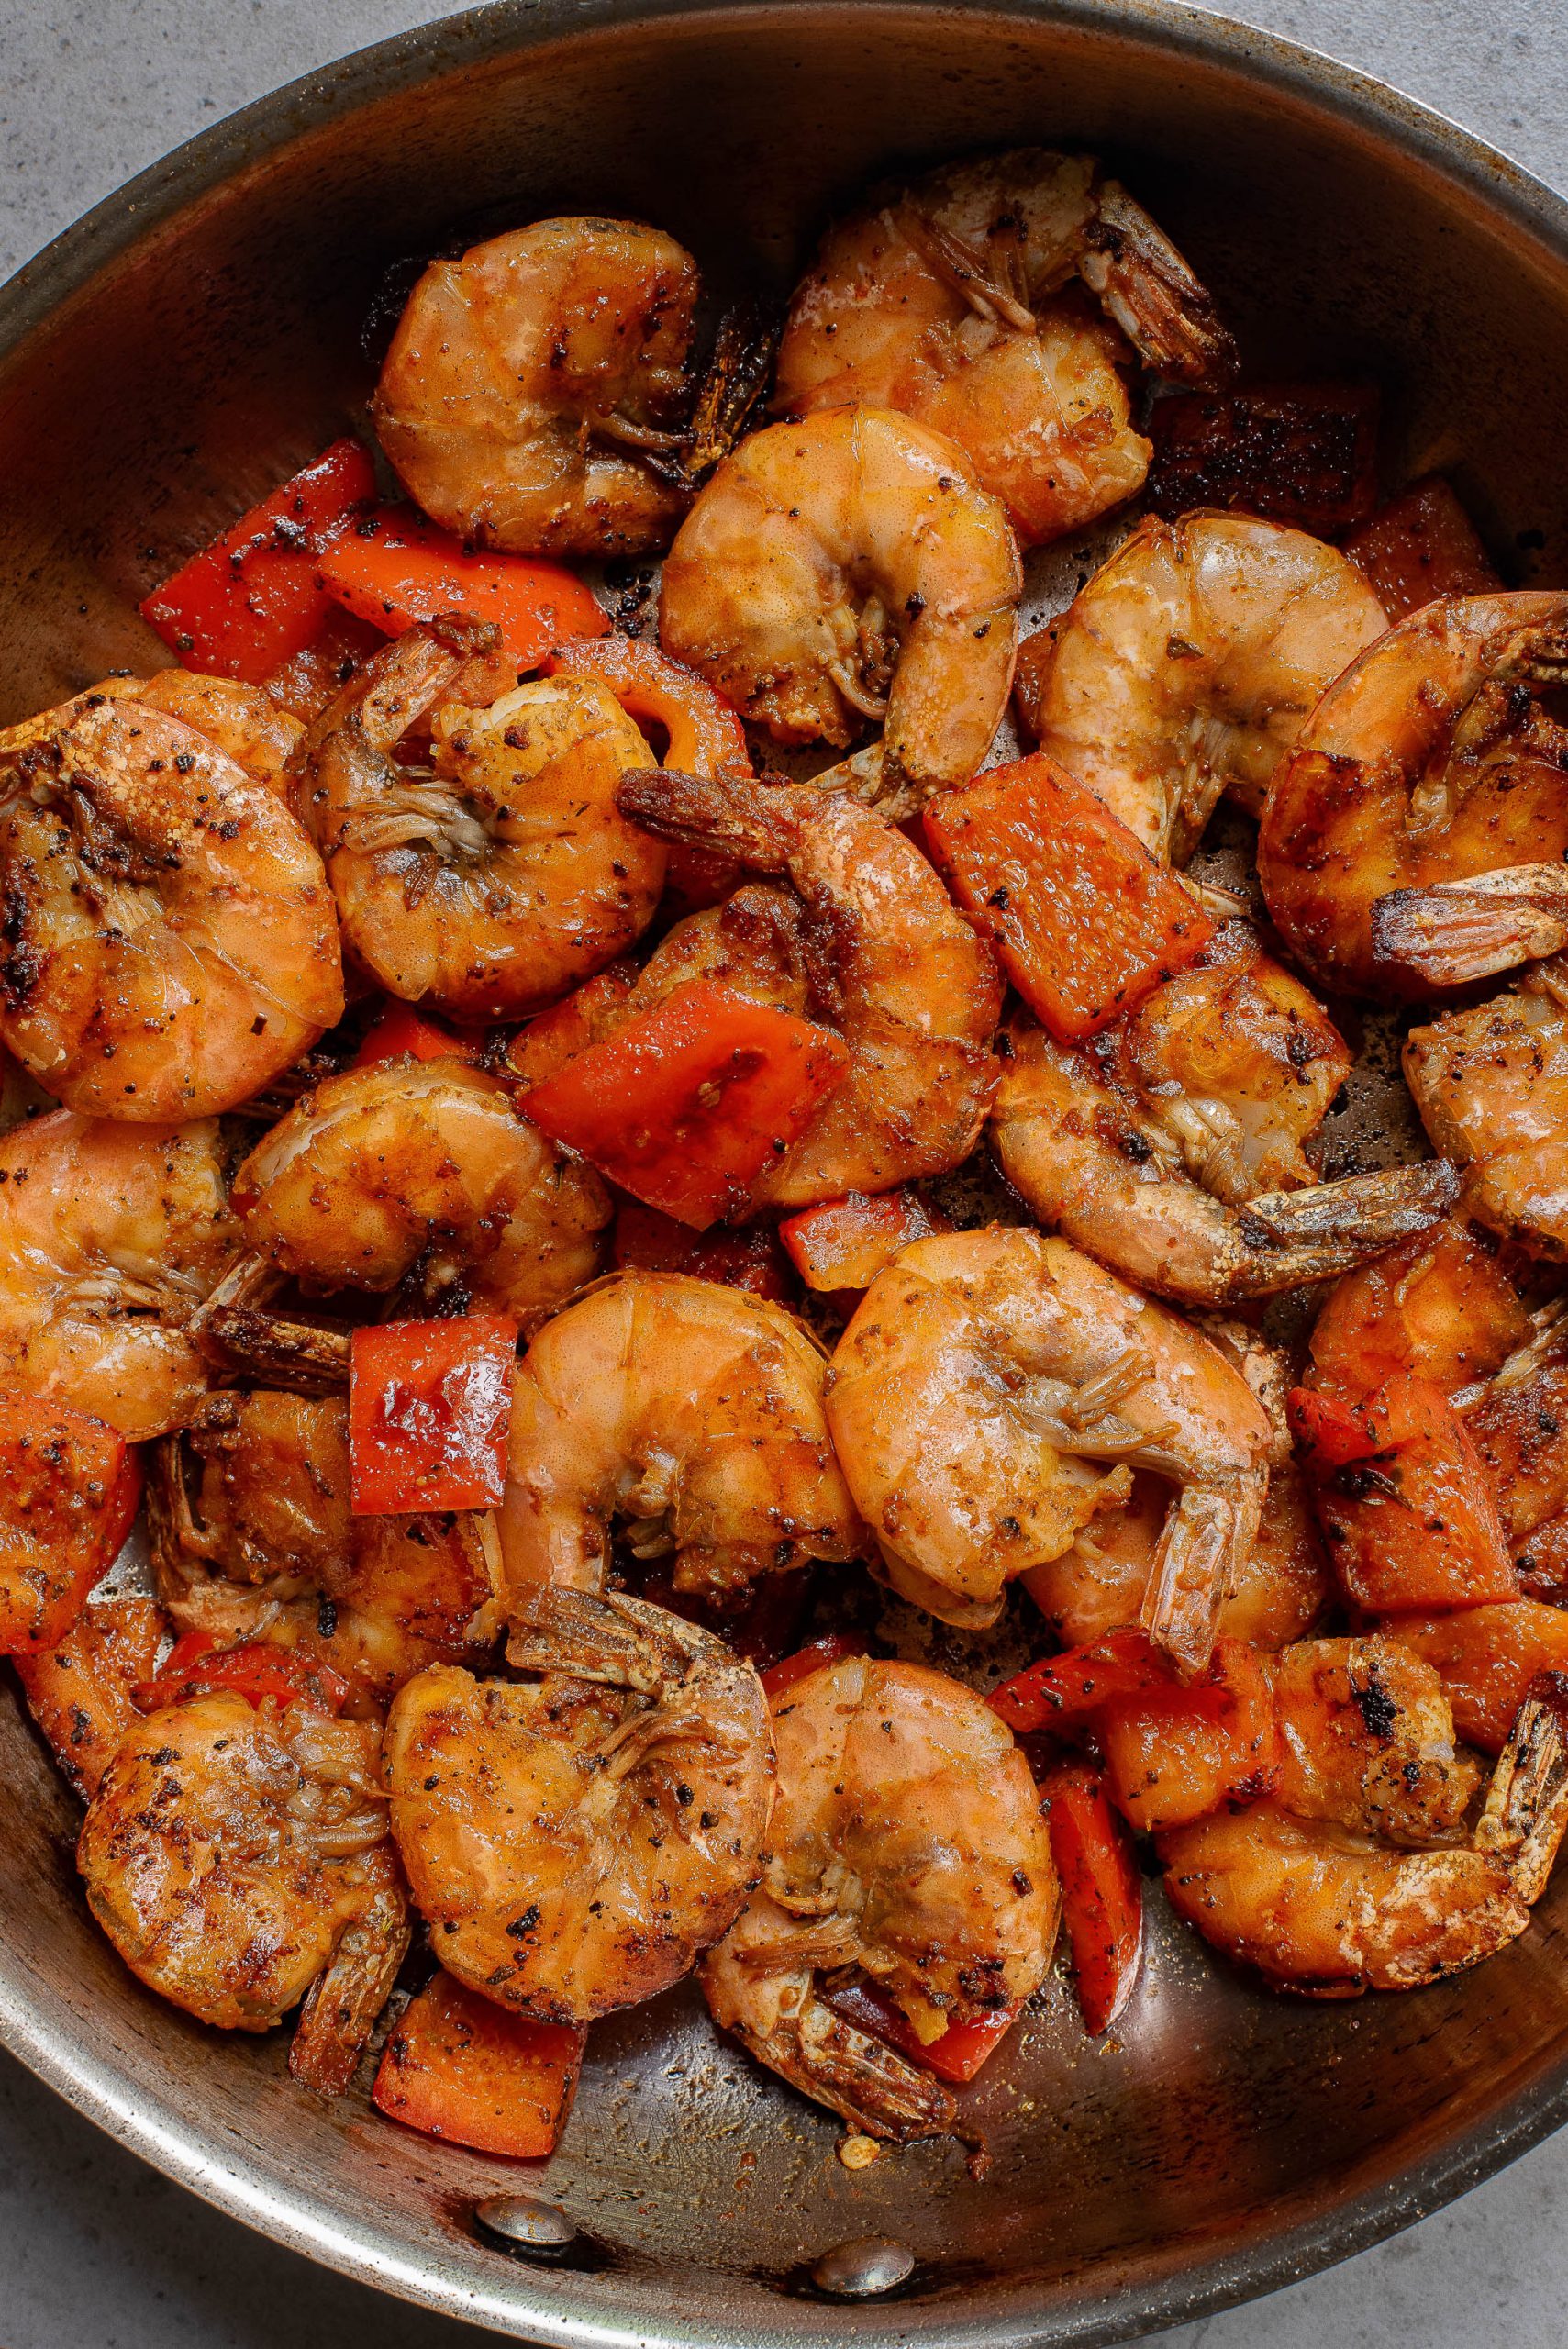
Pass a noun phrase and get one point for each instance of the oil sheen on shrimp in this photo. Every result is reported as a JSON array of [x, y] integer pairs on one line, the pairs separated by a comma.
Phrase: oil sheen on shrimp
[[1414, 835], [575, 1841], [907, 1844], [528, 381], [502, 874], [1491, 1083], [985, 1376], [963, 301], [169, 938], [110, 1237], [1187, 665], [850, 568], [689, 1413], [867, 942]]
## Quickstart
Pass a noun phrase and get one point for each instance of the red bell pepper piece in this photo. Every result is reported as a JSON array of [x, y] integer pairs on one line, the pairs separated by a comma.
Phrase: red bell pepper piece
[[197, 1665], [1487, 1657], [429, 1408], [1302, 453], [396, 569], [1085, 920], [253, 599], [459, 2068], [844, 1243], [1072, 1687], [1102, 1894], [683, 1105], [815, 1656], [1421, 546], [584, 1016], [1436, 1304], [957, 2055], [401, 1033], [650, 1240], [1402, 1497], [69, 1491]]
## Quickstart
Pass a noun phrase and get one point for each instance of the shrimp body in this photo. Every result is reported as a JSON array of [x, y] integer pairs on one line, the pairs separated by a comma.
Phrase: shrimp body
[[242, 721], [1188, 664], [1491, 1083], [429, 1163], [110, 1236], [576, 1841], [524, 379], [869, 944], [503, 874], [170, 941], [691, 1412], [230, 1852], [851, 567], [954, 302], [1416, 833], [906, 1841], [985, 1375]]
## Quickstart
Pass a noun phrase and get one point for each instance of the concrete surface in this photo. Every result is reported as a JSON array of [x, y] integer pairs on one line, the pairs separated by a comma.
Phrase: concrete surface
[[98, 2251]]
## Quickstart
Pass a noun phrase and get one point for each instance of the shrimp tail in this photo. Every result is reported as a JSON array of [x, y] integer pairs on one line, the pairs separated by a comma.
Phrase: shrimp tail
[[234, 1329], [1194, 1568], [854, 2075], [616, 1639], [1472, 927], [755, 823], [340, 2012], [1527, 1805], [1141, 281], [1317, 1233]]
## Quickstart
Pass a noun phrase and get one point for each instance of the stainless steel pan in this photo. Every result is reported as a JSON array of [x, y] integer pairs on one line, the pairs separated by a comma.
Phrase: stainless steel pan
[[170, 358]]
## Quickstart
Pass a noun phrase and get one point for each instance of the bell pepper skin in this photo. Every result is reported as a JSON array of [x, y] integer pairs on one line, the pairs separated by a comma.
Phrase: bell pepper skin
[[457, 2067], [429, 1405]]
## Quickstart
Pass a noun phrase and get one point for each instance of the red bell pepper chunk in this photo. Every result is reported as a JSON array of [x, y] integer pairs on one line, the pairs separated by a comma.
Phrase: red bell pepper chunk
[[815, 1656], [683, 1105], [195, 1665], [253, 599], [1407, 1507], [1084, 919], [429, 1408], [396, 569], [844, 1243], [586, 1017], [1487, 1658], [401, 1033], [1071, 1686], [956, 2056], [69, 1491], [1421, 546], [652, 1241], [459, 2068], [1102, 1894], [1302, 453]]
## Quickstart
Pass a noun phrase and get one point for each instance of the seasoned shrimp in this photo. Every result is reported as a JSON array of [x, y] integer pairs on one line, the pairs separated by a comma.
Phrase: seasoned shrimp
[[490, 882], [422, 1169], [241, 720], [982, 1375], [850, 568], [530, 383], [1491, 1083], [1158, 1176], [237, 1858], [692, 1413], [169, 938], [251, 1537], [1186, 666], [1416, 833], [953, 302], [869, 944], [110, 1237], [576, 1841], [1367, 1740], [1331, 1910], [906, 1843]]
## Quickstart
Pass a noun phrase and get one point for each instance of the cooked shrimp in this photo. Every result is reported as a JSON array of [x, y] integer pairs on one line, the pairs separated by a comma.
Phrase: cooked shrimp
[[530, 383], [850, 568], [237, 1858], [110, 1237], [1491, 1083], [170, 937], [1168, 1186], [264, 1546], [953, 302], [492, 881], [1416, 833], [1519, 1421], [982, 1375], [1186, 666], [576, 1841], [1331, 1912], [80, 1693], [871, 945], [692, 1413], [241, 720], [1367, 1740], [906, 1842]]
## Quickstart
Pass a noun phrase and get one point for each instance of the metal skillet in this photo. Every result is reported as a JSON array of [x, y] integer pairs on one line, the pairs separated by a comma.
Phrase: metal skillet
[[183, 349]]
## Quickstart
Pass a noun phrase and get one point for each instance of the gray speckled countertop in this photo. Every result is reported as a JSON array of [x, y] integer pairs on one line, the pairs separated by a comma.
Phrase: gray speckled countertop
[[98, 2251]]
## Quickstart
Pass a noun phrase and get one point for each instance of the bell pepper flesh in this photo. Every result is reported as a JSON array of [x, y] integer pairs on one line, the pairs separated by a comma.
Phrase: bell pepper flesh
[[428, 1406], [196, 1665], [844, 1243], [401, 1033], [459, 2068], [1101, 1893], [957, 2055], [649, 1241], [394, 569], [71, 1488], [1420, 546], [815, 1656]]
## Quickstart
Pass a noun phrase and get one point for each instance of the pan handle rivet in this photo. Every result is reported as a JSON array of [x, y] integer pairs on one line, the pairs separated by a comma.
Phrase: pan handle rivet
[[525, 2225], [859, 2270]]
